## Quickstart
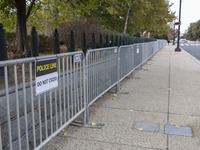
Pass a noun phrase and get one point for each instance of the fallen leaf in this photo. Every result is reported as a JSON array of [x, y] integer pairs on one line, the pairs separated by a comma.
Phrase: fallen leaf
[[140, 129], [93, 124], [115, 95], [113, 98], [130, 110], [129, 118], [169, 89], [176, 126], [65, 133]]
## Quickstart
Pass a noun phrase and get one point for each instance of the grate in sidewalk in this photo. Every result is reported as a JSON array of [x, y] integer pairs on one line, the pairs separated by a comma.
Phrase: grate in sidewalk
[[146, 126], [178, 130]]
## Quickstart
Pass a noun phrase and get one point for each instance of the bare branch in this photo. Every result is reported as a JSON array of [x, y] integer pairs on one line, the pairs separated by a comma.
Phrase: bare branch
[[30, 8]]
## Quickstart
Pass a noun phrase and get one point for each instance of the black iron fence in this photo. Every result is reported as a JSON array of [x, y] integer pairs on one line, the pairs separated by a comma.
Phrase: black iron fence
[[110, 41]]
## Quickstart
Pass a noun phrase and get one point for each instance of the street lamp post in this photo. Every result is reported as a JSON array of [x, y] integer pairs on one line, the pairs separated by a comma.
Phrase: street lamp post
[[174, 35], [178, 48]]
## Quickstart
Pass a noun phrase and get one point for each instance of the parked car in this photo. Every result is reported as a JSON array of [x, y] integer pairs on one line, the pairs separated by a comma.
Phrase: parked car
[[183, 41]]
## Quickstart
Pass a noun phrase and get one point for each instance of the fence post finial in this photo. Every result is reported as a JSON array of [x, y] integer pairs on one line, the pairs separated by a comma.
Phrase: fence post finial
[[3, 48], [56, 42], [84, 48], [101, 41], [34, 43], [72, 42], [93, 41], [107, 40]]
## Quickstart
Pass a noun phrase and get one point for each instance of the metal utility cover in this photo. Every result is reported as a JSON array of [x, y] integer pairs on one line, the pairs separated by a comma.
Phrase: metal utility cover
[[146, 126], [182, 131]]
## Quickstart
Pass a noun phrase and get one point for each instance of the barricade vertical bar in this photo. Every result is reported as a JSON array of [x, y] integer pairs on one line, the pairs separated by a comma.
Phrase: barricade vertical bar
[[45, 114], [74, 69], [0, 140], [51, 118], [25, 108], [100, 68], [81, 85], [68, 110], [32, 105], [17, 107], [93, 88], [40, 119], [118, 71], [71, 79], [64, 99], [89, 76], [85, 90], [56, 108], [8, 108], [77, 96], [59, 84], [98, 71], [94, 83], [96, 62]]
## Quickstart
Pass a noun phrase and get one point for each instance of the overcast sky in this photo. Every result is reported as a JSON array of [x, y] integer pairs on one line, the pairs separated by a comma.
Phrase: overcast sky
[[190, 12]]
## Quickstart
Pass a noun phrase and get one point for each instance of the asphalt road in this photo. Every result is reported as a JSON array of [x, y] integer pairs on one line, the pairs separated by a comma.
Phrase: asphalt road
[[192, 48]]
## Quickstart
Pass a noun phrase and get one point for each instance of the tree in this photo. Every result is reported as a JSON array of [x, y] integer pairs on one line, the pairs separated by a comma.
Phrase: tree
[[193, 32], [22, 14]]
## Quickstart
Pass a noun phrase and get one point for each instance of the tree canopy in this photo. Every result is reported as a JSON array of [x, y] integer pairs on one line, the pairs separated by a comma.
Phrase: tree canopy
[[120, 16], [193, 32]]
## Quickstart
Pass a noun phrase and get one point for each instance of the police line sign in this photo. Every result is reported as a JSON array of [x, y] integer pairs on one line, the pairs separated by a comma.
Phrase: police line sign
[[46, 75]]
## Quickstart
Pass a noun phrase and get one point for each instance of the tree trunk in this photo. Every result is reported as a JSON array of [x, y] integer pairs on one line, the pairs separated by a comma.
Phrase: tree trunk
[[127, 19], [21, 32]]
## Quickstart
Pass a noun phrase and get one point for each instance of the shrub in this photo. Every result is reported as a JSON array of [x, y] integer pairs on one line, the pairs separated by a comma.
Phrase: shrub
[[79, 26]]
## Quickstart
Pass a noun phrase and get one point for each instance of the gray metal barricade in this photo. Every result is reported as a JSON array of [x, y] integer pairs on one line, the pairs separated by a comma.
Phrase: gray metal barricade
[[101, 67], [137, 55], [31, 121], [126, 63], [145, 52]]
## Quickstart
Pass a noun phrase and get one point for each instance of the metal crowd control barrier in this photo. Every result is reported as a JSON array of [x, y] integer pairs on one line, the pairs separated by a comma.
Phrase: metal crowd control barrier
[[29, 121], [33, 120], [126, 63]]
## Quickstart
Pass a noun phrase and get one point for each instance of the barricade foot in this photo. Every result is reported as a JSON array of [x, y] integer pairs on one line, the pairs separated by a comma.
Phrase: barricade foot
[[88, 125]]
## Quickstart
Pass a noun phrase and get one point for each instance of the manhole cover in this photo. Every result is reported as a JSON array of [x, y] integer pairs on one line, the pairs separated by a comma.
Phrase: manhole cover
[[178, 130], [146, 126]]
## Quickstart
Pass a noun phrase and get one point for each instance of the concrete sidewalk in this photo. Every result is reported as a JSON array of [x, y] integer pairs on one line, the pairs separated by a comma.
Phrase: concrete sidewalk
[[165, 91]]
